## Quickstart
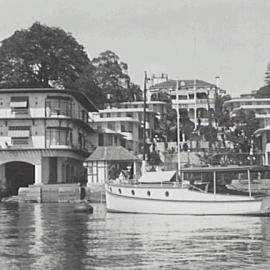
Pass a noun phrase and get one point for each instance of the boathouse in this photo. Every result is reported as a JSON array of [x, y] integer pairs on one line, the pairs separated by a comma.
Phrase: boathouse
[[44, 137], [107, 162]]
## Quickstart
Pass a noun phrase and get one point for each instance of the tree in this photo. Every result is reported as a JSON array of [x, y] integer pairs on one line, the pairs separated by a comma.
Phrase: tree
[[86, 83], [267, 75], [222, 118], [161, 96], [171, 126], [246, 124], [112, 76], [263, 92], [41, 56], [209, 133], [154, 158]]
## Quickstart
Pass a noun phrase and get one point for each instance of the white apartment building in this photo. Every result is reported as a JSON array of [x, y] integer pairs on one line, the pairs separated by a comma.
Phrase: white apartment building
[[260, 106], [44, 136], [195, 98], [159, 107], [128, 122], [105, 136]]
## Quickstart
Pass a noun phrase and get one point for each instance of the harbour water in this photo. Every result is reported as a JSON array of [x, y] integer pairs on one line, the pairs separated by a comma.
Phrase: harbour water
[[53, 236]]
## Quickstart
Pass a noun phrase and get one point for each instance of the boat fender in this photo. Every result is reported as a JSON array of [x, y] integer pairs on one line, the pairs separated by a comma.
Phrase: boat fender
[[83, 207]]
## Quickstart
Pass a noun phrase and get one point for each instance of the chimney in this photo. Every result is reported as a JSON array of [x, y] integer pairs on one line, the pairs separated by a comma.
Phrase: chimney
[[217, 81]]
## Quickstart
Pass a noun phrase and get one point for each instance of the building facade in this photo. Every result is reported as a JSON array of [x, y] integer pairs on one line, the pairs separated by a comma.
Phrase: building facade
[[260, 106], [128, 122], [195, 98], [44, 136]]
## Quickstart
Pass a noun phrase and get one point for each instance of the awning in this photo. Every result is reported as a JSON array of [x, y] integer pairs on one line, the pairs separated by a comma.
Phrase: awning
[[157, 177], [18, 104], [19, 133]]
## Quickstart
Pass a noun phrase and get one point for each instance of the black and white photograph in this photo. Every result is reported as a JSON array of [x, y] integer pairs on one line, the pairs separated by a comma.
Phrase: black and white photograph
[[134, 134]]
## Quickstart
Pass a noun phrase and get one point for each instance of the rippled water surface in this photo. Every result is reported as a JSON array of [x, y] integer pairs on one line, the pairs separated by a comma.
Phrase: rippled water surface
[[53, 236]]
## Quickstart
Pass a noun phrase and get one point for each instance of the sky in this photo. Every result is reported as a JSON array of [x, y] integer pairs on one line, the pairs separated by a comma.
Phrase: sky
[[186, 39]]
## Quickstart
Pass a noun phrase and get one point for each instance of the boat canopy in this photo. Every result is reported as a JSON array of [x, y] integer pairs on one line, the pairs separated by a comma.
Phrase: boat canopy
[[225, 169], [157, 177]]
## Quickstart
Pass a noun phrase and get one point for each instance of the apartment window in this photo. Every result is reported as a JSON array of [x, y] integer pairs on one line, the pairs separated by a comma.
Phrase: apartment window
[[83, 115], [19, 105], [19, 102], [108, 115], [110, 139], [129, 114], [268, 136], [118, 114], [111, 126], [19, 141], [123, 128], [19, 135], [130, 128], [100, 139], [81, 141], [19, 131], [58, 105], [58, 136]]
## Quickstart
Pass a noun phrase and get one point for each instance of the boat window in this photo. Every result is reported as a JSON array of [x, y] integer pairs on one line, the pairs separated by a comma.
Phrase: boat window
[[167, 194], [132, 192], [119, 190], [148, 193]]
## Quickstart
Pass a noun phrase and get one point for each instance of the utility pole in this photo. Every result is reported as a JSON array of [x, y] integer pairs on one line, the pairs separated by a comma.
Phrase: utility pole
[[195, 105], [178, 130]]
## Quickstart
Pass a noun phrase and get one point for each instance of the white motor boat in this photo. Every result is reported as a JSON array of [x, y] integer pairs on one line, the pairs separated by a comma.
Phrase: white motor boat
[[158, 193]]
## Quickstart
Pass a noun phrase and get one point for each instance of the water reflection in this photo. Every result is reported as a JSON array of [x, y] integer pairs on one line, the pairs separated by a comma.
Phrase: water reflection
[[52, 236]]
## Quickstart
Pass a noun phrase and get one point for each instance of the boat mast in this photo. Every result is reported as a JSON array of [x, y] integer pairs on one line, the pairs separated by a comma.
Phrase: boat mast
[[249, 183], [178, 131], [144, 124]]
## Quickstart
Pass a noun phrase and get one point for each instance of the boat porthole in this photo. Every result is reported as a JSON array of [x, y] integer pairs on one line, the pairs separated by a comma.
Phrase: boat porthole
[[119, 190], [148, 193], [132, 192], [167, 194]]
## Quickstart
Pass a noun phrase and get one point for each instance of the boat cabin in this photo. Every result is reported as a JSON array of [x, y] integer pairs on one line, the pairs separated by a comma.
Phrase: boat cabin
[[218, 179]]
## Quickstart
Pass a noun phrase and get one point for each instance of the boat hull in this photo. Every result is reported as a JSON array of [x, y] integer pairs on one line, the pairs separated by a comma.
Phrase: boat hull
[[180, 201]]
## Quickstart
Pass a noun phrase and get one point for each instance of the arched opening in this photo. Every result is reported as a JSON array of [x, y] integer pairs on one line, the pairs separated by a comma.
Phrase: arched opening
[[18, 174]]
